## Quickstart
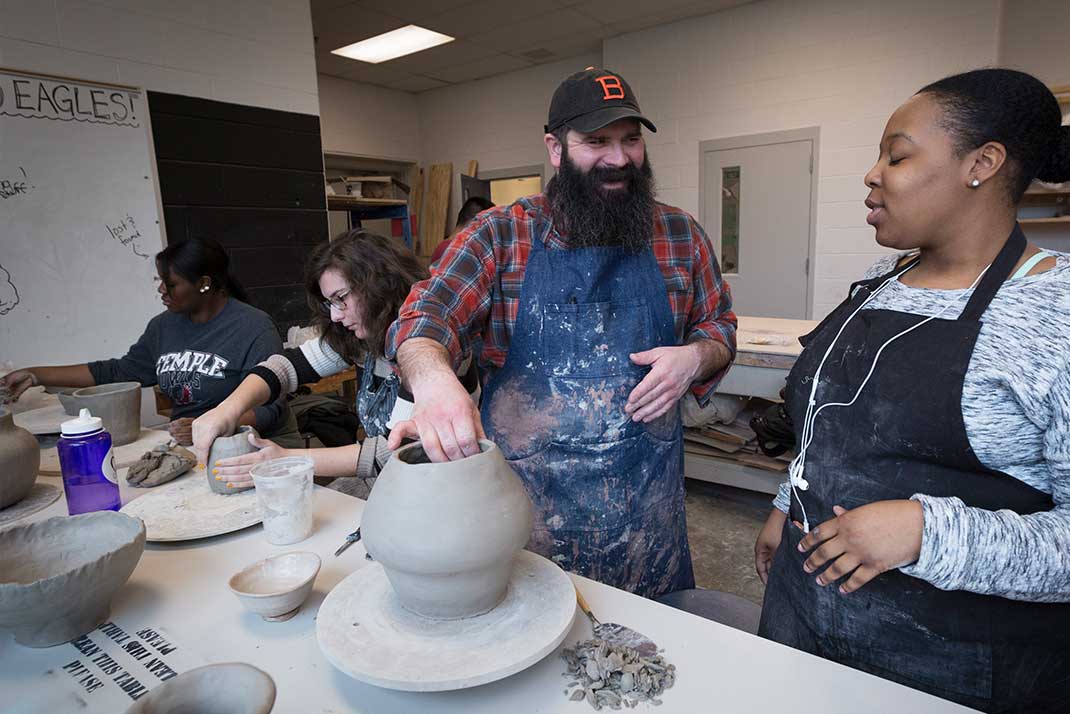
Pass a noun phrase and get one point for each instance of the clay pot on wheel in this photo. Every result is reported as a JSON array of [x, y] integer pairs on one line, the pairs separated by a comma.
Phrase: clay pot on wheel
[[447, 533], [225, 447], [20, 459]]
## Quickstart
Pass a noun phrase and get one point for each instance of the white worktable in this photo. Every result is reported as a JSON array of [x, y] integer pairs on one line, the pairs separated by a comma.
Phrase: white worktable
[[183, 587]]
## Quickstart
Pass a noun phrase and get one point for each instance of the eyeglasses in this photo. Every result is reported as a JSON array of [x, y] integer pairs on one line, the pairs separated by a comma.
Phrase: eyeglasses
[[338, 302]]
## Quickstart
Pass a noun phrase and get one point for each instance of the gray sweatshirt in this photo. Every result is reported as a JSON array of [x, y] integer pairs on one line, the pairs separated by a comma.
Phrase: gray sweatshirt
[[198, 365], [1016, 407]]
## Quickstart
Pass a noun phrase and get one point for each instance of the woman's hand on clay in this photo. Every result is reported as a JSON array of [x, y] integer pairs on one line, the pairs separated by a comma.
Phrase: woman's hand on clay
[[864, 542], [767, 543], [235, 471], [207, 427], [13, 384], [181, 430]]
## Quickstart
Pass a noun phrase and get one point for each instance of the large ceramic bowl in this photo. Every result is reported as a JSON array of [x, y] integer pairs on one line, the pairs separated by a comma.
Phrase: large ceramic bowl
[[58, 576], [227, 688], [275, 587]]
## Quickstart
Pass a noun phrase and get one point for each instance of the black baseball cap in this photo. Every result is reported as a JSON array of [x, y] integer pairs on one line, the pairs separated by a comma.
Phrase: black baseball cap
[[589, 100]]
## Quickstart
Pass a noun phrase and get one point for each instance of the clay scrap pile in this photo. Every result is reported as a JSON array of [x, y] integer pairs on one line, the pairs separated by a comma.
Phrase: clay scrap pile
[[615, 676]]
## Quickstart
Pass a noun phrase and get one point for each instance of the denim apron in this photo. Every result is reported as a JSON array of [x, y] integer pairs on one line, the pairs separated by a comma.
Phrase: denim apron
[[608, 492]]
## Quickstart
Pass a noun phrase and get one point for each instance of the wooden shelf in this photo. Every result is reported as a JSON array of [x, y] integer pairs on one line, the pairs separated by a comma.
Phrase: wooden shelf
[[1038, 221], [345, 203]]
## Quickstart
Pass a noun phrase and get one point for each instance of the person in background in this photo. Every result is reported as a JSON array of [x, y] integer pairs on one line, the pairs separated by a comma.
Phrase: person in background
[[355, 285], [197, 350], [471, 208], [925, 530]]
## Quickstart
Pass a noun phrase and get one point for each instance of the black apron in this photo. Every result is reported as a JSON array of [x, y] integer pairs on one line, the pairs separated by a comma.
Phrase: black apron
[[904, 435]]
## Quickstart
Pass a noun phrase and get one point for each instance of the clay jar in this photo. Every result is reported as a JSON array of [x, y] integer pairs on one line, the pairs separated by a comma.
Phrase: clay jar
[[20, 459], [447, 533], [225, 447]]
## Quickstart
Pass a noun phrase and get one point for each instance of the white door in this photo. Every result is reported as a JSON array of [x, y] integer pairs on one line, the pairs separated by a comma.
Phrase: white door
[[757, 212]]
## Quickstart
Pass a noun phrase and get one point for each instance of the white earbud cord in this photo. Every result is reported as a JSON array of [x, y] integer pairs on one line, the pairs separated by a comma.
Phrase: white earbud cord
[[798, 464]]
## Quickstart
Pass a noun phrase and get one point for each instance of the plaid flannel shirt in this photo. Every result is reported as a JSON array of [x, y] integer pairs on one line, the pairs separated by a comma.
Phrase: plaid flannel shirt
[[469, 303]]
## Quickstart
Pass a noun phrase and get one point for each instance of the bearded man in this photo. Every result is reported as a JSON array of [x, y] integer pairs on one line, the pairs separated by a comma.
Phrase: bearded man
[[591, 310]]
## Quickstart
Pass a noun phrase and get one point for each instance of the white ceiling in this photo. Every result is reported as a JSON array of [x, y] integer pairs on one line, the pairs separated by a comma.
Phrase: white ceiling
[[493, 36]]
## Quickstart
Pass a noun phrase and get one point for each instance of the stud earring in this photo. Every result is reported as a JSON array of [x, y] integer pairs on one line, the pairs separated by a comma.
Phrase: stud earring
[[204, 289], [975, 183]]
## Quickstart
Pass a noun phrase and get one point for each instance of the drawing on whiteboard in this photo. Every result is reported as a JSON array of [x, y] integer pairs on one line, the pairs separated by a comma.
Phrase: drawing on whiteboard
[[15, 187], [9, 294], [126, 232]]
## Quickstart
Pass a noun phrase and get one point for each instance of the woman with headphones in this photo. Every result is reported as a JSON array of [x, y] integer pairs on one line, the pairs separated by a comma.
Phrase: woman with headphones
[[924, 533]]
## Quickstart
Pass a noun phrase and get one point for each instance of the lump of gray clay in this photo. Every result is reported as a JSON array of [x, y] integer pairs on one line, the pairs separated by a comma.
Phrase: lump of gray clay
[[58, 576], [225, 447]]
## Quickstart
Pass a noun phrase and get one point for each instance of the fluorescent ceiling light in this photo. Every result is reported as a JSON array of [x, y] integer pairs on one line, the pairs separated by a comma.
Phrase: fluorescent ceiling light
[[391, 45]]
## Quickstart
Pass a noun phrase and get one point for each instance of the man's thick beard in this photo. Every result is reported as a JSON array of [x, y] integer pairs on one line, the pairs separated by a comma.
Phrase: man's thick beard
[[588, 216]]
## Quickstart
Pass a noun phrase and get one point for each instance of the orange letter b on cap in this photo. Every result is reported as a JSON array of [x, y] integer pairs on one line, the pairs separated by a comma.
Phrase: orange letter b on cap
[[611, 87]]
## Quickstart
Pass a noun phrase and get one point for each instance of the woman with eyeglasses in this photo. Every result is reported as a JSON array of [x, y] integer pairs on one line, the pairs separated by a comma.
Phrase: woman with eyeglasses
[[355, 286], [197, 350]]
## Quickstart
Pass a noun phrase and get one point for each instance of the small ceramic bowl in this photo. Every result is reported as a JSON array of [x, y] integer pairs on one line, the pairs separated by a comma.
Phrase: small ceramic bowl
[[275, 587], [228, 688]]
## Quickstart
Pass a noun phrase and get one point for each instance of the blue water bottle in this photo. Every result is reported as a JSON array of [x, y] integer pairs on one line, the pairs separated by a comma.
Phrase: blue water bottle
[[85, 460]]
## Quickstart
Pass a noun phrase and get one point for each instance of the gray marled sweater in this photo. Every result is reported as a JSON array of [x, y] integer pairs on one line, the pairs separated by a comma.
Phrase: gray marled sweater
[[1016, 406]]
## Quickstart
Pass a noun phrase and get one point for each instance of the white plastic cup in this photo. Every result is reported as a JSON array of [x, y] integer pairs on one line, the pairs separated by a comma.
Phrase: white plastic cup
[[284, 492]]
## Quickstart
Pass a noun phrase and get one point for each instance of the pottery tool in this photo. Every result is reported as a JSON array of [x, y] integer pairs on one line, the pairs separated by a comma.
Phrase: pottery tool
[[350, 540], [616, 634]]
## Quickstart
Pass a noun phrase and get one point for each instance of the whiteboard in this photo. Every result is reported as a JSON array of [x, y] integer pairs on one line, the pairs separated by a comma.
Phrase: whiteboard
[[80, 219]]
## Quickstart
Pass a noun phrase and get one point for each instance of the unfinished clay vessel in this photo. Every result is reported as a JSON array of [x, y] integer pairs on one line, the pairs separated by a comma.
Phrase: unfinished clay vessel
[[58, 576], [118, 405], [225, 447], [227, 688], [20, 459], [447, 533]]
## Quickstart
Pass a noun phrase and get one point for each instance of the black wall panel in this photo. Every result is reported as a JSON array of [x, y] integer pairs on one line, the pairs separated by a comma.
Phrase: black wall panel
[[251, 179]]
